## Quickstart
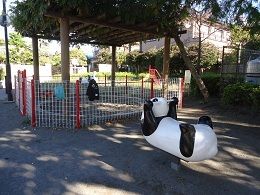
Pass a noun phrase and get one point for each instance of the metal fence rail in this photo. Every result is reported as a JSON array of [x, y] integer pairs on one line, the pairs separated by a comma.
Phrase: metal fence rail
[[66, 104], [235, 63]]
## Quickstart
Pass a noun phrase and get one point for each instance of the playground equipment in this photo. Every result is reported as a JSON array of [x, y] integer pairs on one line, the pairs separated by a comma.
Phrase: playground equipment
[[155, 75], [190, 142]]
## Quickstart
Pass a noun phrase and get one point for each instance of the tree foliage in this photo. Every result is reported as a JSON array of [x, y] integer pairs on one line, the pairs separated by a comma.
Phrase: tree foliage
[[78, 54], [56, 60], [1, 74], [167, 16], [245, 13], [20, 52], [2, 42], [28, 15], [243, 37], [209, 55], [239, 36], [104, 56], [2, 57], [141, 61]]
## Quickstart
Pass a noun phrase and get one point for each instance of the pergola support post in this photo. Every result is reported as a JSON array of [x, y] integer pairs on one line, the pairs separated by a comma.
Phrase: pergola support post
[[166, 62], [35, 58], [113, 70], [65, 58], [65, 64]]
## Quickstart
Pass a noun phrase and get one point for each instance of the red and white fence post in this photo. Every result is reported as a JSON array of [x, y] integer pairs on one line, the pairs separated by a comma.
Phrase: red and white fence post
[[19, 89], [152, 90], [24, 92], [181, 92], [33, 121], [77, 105]]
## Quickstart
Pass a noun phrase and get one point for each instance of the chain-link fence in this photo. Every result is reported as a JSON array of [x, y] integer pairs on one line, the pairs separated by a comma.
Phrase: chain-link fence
[[241, 64]]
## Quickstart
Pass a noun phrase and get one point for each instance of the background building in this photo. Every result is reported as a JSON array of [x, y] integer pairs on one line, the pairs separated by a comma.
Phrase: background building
[[214, 33]]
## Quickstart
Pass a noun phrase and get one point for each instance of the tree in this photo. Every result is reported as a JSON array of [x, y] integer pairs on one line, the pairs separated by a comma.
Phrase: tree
[[2, 42], [202, 15], [78, 54], [56, 60], [253, 43], [121, 58], [208, 57], [2, 57], [243, 13], [19, 50], [239, 36], [104, 56], [16, 40], [167, 16]]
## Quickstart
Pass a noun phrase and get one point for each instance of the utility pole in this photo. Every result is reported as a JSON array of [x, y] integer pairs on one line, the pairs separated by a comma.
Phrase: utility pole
[[8, 80]]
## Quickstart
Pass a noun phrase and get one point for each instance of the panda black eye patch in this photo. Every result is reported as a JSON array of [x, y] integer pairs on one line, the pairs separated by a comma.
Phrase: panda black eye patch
[[155, 100]]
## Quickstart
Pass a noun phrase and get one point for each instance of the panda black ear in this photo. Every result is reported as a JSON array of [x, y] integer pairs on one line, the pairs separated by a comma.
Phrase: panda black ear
[[175, 100], [148, 104], [206, 120]]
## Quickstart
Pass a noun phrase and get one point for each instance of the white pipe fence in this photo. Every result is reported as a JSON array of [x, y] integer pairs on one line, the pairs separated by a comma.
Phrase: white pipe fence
[[66, 104]]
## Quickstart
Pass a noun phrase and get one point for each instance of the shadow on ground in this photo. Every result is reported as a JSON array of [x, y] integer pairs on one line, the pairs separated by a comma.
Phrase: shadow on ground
[[114, 158]]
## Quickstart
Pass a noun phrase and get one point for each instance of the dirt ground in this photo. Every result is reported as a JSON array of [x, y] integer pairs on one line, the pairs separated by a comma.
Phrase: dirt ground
[[115, 159]]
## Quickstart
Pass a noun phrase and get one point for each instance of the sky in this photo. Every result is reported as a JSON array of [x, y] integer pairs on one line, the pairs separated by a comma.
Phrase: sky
[[54, 45]]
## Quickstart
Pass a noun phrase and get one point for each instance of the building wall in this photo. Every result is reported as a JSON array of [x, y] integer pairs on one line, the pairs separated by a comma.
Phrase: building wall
[[215, 35], [45, 71]]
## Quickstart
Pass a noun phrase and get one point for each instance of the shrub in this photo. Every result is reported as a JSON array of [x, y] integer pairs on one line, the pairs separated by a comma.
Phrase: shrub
[[1, 74], [242, 94], [256, 97], [211, 81], [214, 83]]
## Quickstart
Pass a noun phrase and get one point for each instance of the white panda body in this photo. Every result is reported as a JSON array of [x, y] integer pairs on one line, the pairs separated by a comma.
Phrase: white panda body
[[167, 137]]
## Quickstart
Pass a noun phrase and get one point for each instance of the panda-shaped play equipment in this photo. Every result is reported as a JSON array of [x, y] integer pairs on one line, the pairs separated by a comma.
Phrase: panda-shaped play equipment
[[190, 142]]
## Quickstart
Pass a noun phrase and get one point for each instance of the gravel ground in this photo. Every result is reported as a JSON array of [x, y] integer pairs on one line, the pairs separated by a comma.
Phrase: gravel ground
[[115, 159]]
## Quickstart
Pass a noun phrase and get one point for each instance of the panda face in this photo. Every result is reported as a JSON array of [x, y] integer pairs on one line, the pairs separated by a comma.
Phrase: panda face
[[160, 107]]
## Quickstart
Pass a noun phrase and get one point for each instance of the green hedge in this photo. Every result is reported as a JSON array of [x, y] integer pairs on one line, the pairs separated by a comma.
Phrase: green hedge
[[214, 83], [241, 94]]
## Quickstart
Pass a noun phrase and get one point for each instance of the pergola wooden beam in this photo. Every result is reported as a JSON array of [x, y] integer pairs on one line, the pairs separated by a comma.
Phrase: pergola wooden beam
[[76, 41], [136, 39], [103, 23], [114, 32], [78, 27], [124, 35], [128, 39]]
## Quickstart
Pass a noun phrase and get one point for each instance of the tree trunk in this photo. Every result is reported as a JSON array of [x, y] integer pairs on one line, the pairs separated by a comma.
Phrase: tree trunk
[[35, 58], [166, 61], [193, 71]]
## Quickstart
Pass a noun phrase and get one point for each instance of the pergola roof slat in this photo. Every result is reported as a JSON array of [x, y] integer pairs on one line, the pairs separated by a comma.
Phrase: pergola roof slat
[[111, 31]]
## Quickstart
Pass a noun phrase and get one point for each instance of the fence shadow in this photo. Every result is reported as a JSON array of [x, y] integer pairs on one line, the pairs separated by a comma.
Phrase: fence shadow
[[114, 158]]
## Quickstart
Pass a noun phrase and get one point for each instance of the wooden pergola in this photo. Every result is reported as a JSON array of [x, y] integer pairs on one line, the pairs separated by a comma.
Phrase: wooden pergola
[[99, 31]]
